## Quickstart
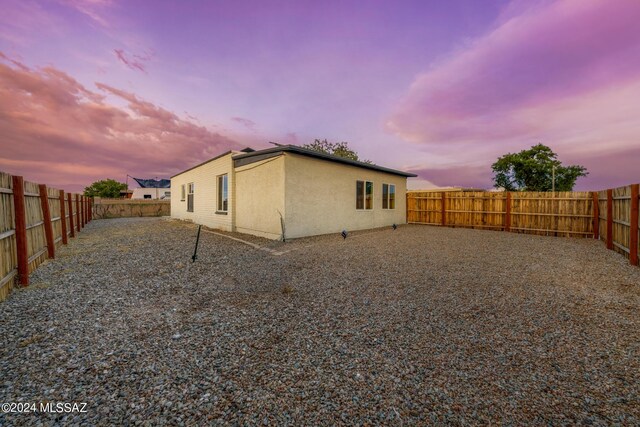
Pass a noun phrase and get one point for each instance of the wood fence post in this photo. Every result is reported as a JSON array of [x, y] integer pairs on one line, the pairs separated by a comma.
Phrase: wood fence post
[[609, 219], [72, 229], [63, 218], [633, 238], [46, 218], [21, 230], [78, 226], [596, 215], [444, 208], [82, 211], [507, 212], [91, 209]]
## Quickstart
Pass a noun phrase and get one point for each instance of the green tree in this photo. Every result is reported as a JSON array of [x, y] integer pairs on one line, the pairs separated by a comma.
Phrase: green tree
[[533, 170], [340, 149], [107, 188]]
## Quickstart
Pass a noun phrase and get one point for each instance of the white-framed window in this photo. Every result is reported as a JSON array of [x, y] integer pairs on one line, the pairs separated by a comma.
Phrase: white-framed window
[[183, 193], [190, 191], [388, 196], [223, 193], [364, 195]]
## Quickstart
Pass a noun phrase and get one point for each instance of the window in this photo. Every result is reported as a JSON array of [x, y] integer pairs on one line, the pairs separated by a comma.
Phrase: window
[[223, 193], [147, 196], [388, 196], [364, 195], [182, 193], [190, 188]]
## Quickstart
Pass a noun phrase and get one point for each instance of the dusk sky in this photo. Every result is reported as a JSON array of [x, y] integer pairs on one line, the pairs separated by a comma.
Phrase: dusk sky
[[94, 89]]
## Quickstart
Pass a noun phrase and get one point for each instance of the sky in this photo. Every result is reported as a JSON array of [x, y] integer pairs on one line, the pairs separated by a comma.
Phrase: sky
[[95, 89]]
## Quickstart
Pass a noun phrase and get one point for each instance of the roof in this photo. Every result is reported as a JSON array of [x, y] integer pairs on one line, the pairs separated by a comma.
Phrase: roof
[[204, 163], [256, 156], [153, 183]]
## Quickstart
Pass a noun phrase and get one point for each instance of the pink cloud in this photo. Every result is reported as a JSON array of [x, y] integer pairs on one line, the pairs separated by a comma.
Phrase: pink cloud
[[564, 73], [94, 9], [247, 123], [456, 176], [135, 62], [566, 49], [57, 131]]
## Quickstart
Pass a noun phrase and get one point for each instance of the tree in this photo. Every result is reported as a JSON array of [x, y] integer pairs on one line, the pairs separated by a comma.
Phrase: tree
[[340, 149], [107, 188], [533, 170]]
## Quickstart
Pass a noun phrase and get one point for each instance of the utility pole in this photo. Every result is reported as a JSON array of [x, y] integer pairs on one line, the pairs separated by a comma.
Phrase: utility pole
[[553, 178]]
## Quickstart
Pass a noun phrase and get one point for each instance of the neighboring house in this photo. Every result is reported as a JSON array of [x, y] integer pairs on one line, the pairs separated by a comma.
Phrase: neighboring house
[[153, 189], [151, 193], [289, 192]]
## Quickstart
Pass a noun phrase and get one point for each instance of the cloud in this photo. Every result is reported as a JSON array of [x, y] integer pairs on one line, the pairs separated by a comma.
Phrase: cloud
[[455, 176], [249, 124], [564, 73], [133, 61], [567, 49], [94, 9], [51, 122]]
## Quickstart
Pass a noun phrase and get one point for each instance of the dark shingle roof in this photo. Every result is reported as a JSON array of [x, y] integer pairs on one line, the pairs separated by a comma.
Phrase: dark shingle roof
[[255, 156]]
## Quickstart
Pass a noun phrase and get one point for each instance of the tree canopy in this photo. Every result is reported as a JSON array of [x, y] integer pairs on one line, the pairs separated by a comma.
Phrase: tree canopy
[[340, 149], [533, 170], [107, 188]]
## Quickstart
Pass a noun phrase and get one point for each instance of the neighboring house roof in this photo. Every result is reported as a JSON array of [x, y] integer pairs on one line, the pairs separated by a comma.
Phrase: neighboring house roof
[[256, 156], [153, 183]]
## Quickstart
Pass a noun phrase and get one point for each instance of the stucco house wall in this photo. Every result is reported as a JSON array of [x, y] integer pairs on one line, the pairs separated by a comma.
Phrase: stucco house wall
[[260, 197], [321, 197], [155, 193], [287, 190], [204, 178]]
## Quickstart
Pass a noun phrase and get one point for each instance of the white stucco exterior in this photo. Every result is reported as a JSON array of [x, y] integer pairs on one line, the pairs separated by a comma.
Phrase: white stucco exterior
[[287, 192], [320, 197], [205, 194], [151, 193]]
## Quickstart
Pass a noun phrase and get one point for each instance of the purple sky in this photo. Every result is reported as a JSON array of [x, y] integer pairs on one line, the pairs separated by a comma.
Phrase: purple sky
[[91, 89]]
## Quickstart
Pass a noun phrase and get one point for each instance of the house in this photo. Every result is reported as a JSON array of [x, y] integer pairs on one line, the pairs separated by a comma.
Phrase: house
[[151, 193], [289, 192], [153, 189]]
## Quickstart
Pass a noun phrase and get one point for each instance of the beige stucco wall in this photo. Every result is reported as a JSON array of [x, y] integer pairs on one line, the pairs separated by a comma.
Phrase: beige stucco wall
[[260, 196], [321, 197], [204, 178]]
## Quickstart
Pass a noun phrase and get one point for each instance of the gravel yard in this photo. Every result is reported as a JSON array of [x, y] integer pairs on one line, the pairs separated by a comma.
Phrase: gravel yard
[[422, 325]]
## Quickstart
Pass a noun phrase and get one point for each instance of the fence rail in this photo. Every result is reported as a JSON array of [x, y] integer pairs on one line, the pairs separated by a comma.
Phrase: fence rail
[[609, 215], [34, 221]]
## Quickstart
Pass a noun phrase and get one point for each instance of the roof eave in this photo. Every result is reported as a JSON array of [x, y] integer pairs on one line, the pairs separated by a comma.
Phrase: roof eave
[[311, 153]]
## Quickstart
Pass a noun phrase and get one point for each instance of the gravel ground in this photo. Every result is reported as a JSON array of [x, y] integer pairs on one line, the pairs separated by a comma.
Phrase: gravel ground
[[422, 325]]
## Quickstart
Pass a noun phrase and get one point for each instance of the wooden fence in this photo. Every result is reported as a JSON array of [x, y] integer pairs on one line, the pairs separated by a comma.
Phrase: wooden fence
[[610, 215], [34, 221]]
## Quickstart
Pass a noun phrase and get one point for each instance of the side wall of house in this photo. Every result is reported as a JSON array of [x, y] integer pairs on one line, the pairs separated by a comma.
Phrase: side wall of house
[[321, 197], [155, 193], [260, 198], [205, 182]]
